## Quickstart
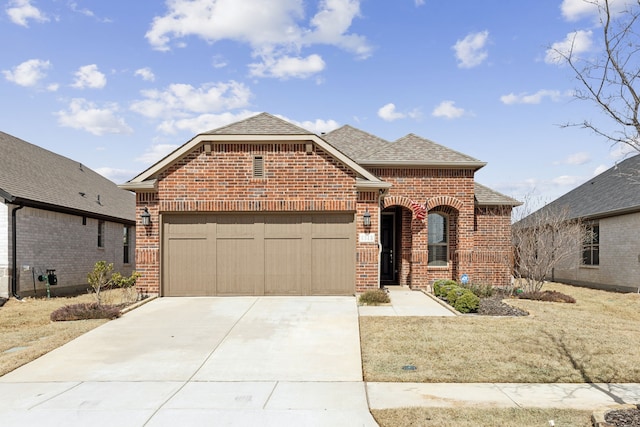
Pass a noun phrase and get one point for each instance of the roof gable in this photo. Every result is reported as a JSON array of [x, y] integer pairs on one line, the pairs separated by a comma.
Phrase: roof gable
[[34, 176], [268, 129], [485, 196]]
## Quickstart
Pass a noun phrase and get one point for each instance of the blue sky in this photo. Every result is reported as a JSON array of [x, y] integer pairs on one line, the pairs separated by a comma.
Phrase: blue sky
[[118, 84]]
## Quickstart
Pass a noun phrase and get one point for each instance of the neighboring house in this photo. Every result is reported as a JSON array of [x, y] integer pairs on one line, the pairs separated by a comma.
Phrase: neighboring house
[[57, 214], [609, 206], [264, 207]]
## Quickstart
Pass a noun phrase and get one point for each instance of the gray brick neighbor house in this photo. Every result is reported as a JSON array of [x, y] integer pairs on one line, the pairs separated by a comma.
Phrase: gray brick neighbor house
[[609, 204], [57, 214]]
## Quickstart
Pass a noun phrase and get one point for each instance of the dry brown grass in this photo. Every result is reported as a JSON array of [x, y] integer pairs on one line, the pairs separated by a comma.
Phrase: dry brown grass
[[474, 417], [597, 339], [26, 332]]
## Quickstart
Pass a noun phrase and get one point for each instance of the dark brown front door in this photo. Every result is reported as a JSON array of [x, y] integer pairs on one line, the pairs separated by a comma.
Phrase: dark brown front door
[[387, 238]]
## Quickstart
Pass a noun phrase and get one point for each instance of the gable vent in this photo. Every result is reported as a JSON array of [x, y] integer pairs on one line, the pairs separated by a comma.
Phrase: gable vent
[[258, 167]]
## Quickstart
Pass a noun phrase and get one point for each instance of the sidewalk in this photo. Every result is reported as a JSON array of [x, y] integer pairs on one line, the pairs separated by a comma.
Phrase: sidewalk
[[405, 302], [573, 396]]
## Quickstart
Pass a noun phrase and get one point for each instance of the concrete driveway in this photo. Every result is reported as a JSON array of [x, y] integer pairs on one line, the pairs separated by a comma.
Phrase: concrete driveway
[[202, 361]]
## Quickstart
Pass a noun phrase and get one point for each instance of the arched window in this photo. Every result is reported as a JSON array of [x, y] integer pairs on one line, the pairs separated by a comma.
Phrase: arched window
[[438, 240]]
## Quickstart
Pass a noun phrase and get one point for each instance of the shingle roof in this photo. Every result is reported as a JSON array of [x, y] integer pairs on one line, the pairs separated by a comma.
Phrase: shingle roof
[[261, 124], [33, 175], [488, 197], [353, 142], [614, 191]]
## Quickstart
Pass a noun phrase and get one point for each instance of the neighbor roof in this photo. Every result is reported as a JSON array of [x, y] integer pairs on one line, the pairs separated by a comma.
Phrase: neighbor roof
[[36, 177], [615, 191], [488, 197]]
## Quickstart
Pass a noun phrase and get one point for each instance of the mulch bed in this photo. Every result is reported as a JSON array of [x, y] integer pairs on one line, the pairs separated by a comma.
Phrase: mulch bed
[[493, 306], [624, 417]]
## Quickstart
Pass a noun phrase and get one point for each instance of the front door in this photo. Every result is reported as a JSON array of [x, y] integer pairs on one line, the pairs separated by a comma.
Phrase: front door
[[388, 256]]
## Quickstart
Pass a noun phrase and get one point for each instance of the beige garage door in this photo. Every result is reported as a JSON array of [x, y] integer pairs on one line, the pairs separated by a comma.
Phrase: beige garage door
[[264, 254]]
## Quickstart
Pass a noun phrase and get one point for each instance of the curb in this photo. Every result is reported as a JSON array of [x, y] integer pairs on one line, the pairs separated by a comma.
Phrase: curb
[[442, 303], [597, 418], [138, 304]]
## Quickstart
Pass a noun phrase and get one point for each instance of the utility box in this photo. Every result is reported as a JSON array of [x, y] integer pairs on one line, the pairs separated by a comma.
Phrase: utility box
[[51, 277]]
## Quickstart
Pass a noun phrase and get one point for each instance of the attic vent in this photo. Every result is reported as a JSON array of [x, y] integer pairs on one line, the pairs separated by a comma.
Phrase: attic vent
[[258, 167]]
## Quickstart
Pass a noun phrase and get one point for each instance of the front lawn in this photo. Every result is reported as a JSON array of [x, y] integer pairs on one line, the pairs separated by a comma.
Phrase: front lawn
[[597, 339]]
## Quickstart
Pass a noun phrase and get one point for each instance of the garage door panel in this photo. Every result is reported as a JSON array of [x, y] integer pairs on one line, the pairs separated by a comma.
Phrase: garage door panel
[[283, 266], [188, 272], [236, 226], [332, 263], [239, 270]]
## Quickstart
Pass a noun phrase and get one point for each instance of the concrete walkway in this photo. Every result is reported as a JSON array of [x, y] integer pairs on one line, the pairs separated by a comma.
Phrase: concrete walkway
[[237, 361], [405, 302]]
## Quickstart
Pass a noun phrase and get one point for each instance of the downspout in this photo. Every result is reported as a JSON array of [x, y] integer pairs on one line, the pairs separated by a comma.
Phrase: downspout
[[14, 254]]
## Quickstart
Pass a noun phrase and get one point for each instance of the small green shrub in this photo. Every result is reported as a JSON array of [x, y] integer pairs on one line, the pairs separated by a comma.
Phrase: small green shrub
[[468, 302], [455, 293], [85, 311], [442, 287], [379, 296]]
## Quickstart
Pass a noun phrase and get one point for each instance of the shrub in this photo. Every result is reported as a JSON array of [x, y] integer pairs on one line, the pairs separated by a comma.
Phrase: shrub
[[467, 302], [442, 287], [379, 296], [99, 278], [85, 311], [481, 291], [455, 293], [549, 296]]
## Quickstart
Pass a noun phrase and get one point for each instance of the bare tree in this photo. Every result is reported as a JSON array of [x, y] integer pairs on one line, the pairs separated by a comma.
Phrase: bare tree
[[610, 80], [543, 241]]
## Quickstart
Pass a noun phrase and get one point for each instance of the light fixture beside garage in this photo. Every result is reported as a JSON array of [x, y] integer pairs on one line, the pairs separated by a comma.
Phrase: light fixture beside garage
[[366, 218], [145, 217]]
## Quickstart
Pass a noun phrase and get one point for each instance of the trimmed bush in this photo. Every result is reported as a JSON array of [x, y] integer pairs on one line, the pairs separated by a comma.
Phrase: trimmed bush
[[442, 287], [376, 297], [455, 293], [481, 291], [85, 311], [468, 302], [549, 296]]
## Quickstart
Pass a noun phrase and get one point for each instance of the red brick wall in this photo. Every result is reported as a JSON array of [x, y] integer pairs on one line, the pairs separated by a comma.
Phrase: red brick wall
[[493, 254], [222, 180]]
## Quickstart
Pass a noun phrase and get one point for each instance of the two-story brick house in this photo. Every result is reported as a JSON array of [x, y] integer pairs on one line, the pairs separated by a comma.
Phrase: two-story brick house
[[264, 207]]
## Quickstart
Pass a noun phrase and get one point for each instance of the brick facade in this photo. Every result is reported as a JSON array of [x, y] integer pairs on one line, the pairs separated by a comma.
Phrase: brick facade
[[64, 242]]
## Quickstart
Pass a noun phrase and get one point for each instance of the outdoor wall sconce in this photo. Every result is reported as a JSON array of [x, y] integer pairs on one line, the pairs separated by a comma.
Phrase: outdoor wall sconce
[[146, 217], [366, 219]]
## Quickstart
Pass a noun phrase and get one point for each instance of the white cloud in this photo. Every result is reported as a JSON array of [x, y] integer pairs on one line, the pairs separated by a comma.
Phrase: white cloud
[[388, 113], [578, 158], [88, 76], [155, 153], [574, 10], [567, 180], [620, 151], [600, 169], [471, 51], [286, 66], [575, 43], [534, 98], [145, 73], [275, 30], [317, 126], [28, 73], [448, 110], [419, 2], [21, 11], [116, 175], [85, 115], [179, 104]]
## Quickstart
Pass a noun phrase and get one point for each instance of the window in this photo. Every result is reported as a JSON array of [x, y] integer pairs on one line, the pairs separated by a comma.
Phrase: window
[[125, 244], [591, 248], [101, 234], [438, 240]]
